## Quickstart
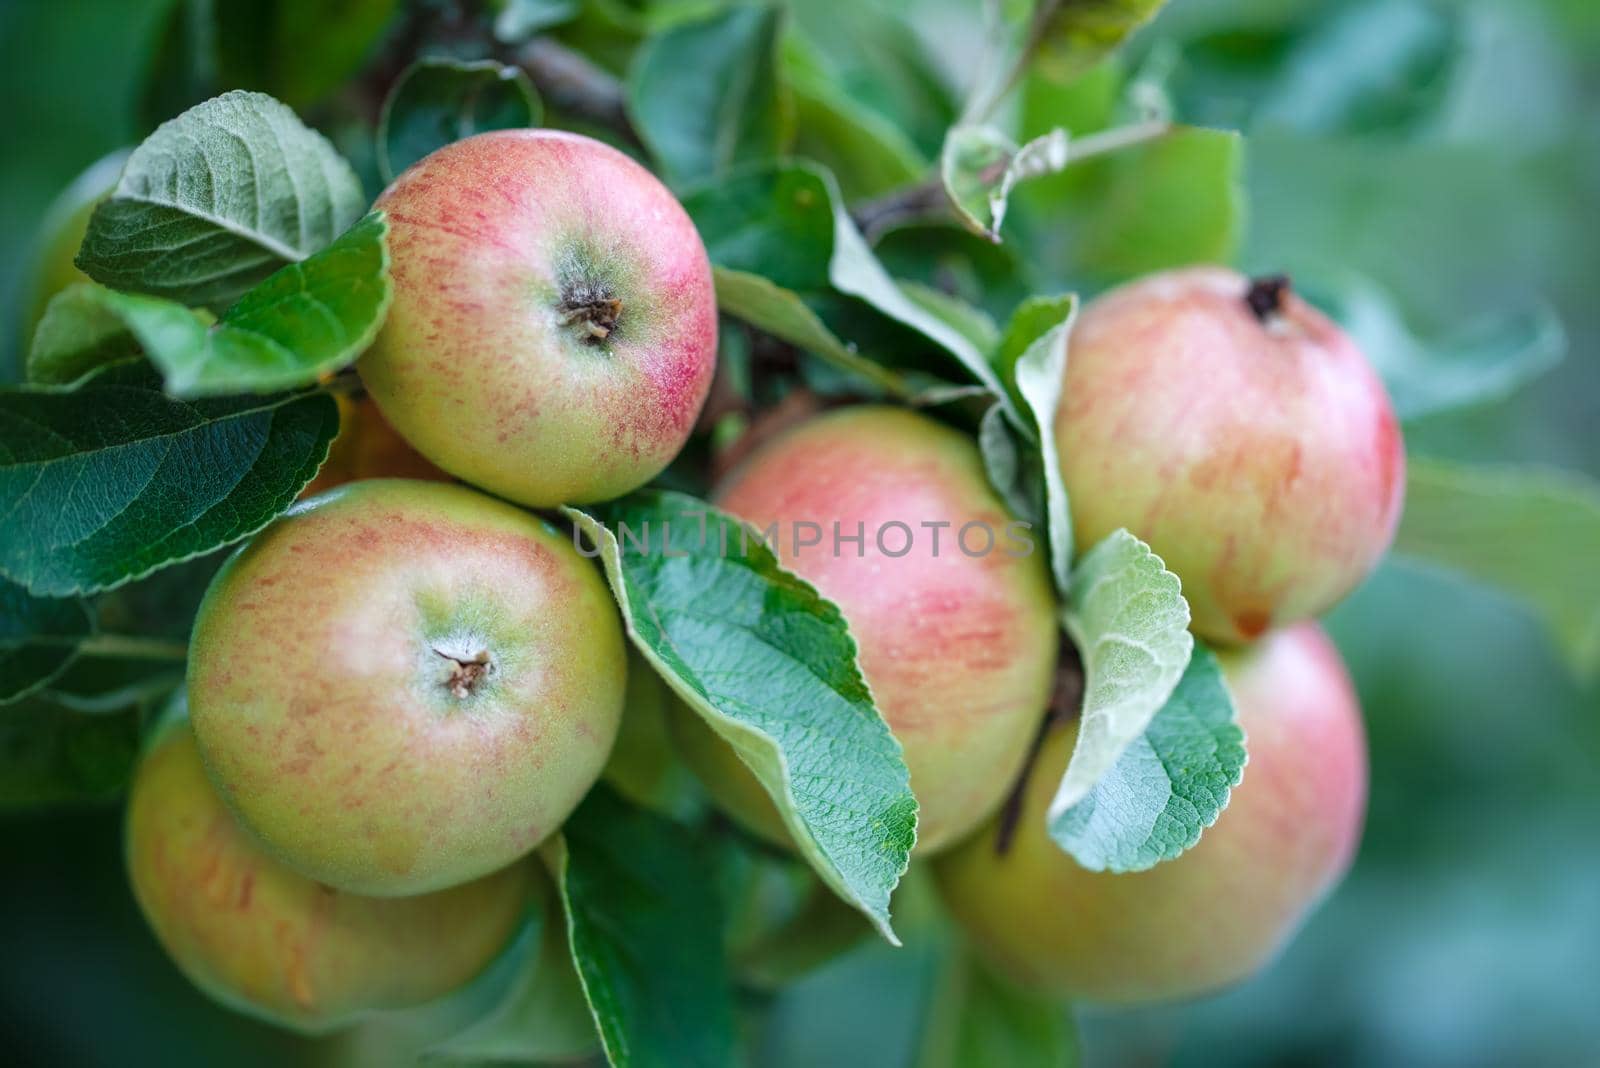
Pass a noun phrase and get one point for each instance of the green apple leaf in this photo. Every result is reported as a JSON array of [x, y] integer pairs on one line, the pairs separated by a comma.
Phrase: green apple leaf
[[297, 50], [770, 665], [1171, 203], [980, 166], [1533, 533], [115, 479], [968, 320], [1070, 36], [1085, 105], [519, 20], [868, 153], [217, 199], [1058, 39], [79, 334], [437, 101], [874, 55], [869, 156], [1012, 464], [1033, 351], [776, 222], [39, 637], [781, 313], [1167, 203], [304, 321], [1130, 624], [977, 1018], [645, 934], [1367, 67], [705, 96], [993, 277], [1168, 786], [855, 271], [788, 224], [50, 755], [1484, 362]]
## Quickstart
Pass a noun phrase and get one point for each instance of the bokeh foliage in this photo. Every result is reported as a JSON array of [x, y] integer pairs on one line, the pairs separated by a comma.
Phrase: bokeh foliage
[[1445, 151]]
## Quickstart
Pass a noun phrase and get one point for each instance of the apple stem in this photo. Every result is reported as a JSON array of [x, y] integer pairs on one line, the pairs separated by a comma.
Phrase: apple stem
[[591, 308], [464, 674], [1066, 701], [1265, 296]]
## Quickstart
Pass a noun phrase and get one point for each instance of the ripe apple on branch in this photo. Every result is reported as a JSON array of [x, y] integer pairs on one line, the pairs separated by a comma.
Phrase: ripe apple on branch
[[487, 693]]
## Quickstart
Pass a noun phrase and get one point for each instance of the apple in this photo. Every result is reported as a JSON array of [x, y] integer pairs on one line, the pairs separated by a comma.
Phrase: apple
[[957, 644], [264, 939], [1215, 914], [1241, 434], [400, 686], [643, 766], [368, 447], [553, 331]]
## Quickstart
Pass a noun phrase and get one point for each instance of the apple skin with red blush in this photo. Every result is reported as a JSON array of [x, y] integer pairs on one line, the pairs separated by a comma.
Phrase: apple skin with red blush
[[1219, 912], [553, 331], [1241, 434], [264, 939], [400, 686], [959, 648]]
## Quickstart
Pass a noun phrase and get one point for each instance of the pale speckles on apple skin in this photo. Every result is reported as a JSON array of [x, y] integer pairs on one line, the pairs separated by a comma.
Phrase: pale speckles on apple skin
[[262, 938], [546, 425], [1214, 915], [347, 619], [959, 651], [1263, 466]]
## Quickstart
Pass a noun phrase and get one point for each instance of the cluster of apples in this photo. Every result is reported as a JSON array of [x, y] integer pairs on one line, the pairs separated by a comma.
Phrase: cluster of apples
[[1242, 435], [401, 688], [1246, 439]]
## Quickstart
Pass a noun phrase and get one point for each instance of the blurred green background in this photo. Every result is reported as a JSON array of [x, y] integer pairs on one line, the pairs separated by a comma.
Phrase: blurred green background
[[1469, 931]]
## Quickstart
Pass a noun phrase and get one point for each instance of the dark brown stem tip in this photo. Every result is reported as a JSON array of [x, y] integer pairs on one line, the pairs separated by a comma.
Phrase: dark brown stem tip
[[595, 315], [1265, 296], [465, 673]]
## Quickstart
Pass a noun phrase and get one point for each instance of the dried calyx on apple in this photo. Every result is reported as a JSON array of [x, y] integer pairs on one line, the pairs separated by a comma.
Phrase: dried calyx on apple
[[1241, 434], [554, 329], [480, 684]]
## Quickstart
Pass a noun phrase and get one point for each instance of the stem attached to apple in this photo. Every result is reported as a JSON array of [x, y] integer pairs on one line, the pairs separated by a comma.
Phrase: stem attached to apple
[[1266, 294]]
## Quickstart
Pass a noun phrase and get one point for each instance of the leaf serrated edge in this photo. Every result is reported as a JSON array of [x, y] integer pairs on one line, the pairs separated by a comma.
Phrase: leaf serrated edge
[[256, 101], [1074, 788], [603, 539], [81, 590], [303, 376]]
